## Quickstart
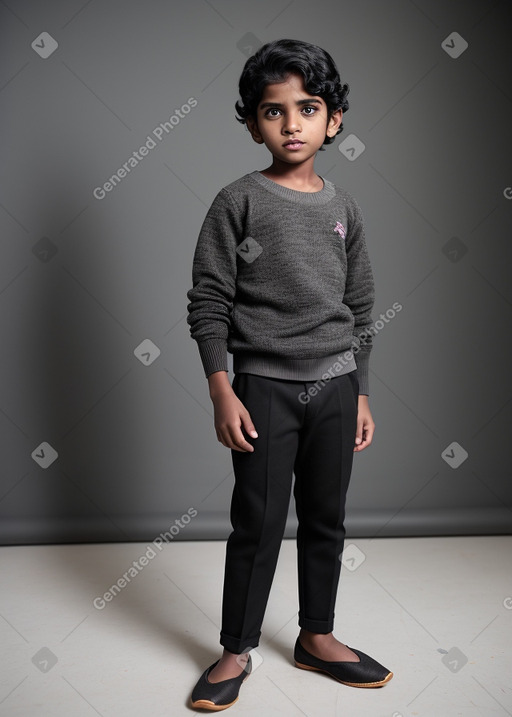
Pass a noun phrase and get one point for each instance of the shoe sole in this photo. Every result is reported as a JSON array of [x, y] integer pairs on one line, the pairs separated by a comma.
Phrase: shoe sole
[[208, 705], [343, 682]]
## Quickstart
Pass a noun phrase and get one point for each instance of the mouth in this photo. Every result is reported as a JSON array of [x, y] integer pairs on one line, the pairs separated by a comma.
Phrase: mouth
[[293, 144]]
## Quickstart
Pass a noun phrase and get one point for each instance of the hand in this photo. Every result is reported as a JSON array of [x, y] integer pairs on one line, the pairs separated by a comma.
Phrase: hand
[[365, 425], [230, 414]]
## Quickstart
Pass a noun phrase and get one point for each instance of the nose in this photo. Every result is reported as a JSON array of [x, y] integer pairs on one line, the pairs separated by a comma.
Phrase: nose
[[292, 123]]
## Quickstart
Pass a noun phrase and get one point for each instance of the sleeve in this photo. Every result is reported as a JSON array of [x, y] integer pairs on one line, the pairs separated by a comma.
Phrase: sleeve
[[360, 294], [214, 281]]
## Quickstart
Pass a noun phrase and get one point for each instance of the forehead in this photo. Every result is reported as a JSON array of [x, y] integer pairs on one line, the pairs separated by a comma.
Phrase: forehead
[[292, 88]]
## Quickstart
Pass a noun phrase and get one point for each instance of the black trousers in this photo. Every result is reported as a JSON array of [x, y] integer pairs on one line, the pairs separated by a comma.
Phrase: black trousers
[[310, 433]]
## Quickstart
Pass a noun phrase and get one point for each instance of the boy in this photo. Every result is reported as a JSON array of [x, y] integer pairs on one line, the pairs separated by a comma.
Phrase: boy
[[282, 279]]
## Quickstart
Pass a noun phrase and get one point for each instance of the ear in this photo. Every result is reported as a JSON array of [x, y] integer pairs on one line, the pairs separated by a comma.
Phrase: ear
[[252, 126], [334, 123]]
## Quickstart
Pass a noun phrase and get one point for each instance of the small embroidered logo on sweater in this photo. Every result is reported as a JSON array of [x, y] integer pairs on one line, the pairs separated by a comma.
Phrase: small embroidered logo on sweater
[[340, 229]]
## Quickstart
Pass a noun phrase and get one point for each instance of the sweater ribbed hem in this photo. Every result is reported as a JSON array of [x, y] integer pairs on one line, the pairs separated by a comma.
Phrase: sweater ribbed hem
[[292, 369], [214, 356], [213, 353], [363, 360]]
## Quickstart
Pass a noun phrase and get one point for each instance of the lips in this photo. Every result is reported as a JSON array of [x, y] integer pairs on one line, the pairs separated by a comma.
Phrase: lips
[[294, 142]]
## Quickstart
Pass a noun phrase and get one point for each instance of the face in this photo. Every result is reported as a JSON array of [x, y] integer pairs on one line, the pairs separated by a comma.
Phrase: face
[[287, 112]]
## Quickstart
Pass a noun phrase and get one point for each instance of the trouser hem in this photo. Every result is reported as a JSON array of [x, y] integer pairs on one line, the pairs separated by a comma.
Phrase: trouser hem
[[320, 626], [236, 645]]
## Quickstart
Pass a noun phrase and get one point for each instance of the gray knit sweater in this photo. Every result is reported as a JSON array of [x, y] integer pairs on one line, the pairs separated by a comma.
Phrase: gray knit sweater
[[282, 280]]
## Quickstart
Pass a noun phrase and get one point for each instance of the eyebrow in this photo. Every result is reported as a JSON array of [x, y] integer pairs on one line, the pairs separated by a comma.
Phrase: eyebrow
[[299, 102]]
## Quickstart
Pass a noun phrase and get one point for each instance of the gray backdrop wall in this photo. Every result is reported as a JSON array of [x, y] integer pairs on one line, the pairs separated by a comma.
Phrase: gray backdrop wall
[[106, 422]]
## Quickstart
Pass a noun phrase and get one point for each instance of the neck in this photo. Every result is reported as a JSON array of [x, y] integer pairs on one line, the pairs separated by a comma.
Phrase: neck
[[294, 176]]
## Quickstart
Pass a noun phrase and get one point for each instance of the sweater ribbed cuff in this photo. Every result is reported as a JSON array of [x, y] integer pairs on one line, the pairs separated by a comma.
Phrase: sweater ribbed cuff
[[214, 355], [362, 361]]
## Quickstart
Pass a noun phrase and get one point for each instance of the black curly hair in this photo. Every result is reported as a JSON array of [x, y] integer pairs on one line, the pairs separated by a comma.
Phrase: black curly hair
[[274, 61]]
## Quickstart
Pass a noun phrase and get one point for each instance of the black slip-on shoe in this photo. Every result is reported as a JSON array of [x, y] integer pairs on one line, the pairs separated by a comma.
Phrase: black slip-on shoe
[[218, 695], [365, 673]]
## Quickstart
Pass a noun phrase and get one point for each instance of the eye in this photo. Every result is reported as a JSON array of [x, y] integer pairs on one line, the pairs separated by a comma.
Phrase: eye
[[309, 107], [272, 109]]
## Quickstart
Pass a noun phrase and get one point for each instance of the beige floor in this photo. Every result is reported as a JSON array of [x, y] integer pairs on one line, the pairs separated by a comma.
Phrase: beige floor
[[436, 611]]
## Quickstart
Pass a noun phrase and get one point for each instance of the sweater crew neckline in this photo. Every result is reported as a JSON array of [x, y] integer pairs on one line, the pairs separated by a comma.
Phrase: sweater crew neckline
[[325, 195]]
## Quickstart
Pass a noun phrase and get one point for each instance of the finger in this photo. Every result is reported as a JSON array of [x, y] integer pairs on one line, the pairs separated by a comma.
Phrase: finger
[[238, 442], [249, 426], [359, 433], [221, 439], [367, 439]]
